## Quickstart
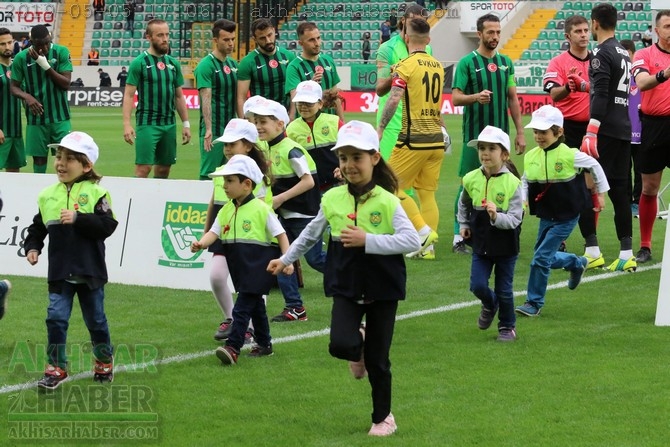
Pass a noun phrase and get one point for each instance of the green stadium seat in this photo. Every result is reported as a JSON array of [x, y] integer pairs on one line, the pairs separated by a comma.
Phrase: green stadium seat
[[356, 25], [622, 26], [137, 52], [626, 36], [169, 18], [337, 35], [346, 25], [551, 25], [187, 53], [618, 6], [536, 56], [525, 56], [137, 44], [544, 45], [567, 6], [97, 35], [104, 53], [633, 27], [553, 35], [346, 54], [356, 45], [105, 44], [560, 15], [347, 35], [535, 45], [555, 46], [126, 43], [337, 54], [106, 35], [543, 35], [547, 55], [125, 52], [104, 62], [108, 26], [587, 6], [95, 44], [115, 62], [115, 52], [346, 45], [117, 35]]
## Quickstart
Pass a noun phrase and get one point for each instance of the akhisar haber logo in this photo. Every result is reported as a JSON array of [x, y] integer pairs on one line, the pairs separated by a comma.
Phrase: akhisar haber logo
[[183, 224]]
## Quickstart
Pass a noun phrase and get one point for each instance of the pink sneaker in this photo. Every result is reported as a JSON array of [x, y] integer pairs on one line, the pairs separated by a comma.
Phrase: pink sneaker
[[358, 368], [385, 428]]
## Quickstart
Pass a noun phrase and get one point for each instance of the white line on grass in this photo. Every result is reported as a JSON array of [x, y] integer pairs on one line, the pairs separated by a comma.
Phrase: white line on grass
[[6, 389]]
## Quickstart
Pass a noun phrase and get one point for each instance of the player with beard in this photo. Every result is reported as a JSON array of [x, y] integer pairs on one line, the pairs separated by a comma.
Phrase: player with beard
[[157, 79], [263, 70], [41, 76], [12, 152], [313, 65], [608, 133], [216, 78], [484, 84]]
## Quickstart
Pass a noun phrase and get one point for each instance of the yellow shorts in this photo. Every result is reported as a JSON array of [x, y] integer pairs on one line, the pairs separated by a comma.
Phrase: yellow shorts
[[418, 169]]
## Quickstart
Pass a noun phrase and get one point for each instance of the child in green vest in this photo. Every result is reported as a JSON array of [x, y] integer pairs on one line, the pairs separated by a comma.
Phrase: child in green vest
[[295, 196], [316, 131], [365, 267], [553, 179], [246, 228], [490, 210], [77, 216], [239, 137]]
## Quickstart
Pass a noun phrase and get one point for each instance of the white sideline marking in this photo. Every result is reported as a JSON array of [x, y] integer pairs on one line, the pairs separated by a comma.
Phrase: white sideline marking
[[6, 389]]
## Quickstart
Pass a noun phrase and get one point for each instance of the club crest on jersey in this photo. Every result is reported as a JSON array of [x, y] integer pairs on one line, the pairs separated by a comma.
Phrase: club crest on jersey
[[226, 70], [595, 63], [492, 67], [325, 130], [318, 69], [161, 66], [246, 226], [82, 200], [633, 90], [558, 167], [500, 198], [375, 218], [273, 64]]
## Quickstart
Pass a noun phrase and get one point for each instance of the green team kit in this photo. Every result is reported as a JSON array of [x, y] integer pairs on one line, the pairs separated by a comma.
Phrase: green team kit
[[267, 74], [12, 152]]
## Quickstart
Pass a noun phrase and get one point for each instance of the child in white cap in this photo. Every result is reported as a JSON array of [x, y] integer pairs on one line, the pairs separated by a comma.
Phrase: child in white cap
[[316, 131], [77, 216], [365, 268], [239, 137], [490, 210], [247, 228], [555, 190], [295, 196]]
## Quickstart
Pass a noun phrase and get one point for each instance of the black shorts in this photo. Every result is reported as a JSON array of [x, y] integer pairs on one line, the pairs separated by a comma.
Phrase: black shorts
[[653, 155], [574, 132], [614, 157]]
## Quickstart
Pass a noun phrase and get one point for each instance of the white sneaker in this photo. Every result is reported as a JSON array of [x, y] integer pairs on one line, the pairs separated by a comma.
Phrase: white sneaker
[[385, 428]]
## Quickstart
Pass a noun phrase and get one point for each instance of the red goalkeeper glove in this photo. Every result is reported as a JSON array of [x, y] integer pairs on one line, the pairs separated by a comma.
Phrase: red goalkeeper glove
[[590, 140], [579, 83]]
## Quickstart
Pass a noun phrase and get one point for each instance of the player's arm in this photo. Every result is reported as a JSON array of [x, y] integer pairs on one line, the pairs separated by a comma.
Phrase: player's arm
[[182, 110], [515, 111], [128, 104], [291, 108], [643, 79], [290, 83], [395, 95], [206, 109], [242, 92], [554, 84], [600, 87]]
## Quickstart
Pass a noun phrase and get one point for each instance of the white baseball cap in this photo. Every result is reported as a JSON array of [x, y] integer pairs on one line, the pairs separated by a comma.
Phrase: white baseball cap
[[491, 134], [357, 134], [308, 91], [545, 117], [239, 129], [240, 164], [250, 102], [267, 107], [79, 142]]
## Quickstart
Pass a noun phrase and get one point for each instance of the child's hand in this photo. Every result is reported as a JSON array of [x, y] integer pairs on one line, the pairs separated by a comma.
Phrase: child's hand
[[465, 233], [288, 270], [276, 266], [196, 247], [352, 236], [338, 174], [491, 209], [32, 257], [68, 216]]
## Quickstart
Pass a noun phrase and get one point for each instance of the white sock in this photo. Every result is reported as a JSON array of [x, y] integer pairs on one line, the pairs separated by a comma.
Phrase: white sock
[[625, 254], [593, 252], [218, 279], [425, 231], [457, 238]]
